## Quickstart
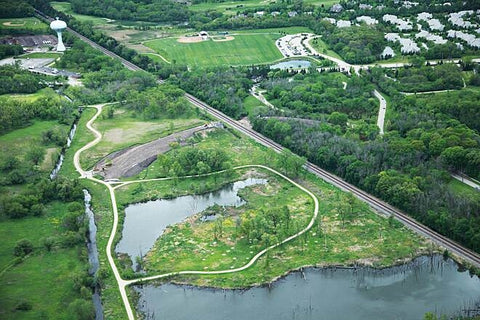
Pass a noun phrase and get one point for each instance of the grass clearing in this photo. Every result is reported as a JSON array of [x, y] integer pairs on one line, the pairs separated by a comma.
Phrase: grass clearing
[[124, 130], [20, 141], [29, 97], [66, 7], [461, 188], [242, 50], [43, 276], [42, 55], [251, 103], [322, 47]]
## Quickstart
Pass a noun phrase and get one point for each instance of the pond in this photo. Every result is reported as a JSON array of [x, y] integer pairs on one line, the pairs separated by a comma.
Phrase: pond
[[145, 222], [427, 284], [292, 64]]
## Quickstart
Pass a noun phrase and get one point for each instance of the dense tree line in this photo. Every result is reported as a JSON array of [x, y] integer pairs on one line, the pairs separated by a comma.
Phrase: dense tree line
[[15, 9], [14, 79], [153, 10], [426, 78], [17, 113], [7, 50], [191, 161], [223, 88], [315, 94], [356, 44], [164, 101], [36, 195]]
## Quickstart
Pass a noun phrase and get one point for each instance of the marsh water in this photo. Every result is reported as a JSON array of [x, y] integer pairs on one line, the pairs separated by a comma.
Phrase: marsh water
[[292, 64], [145, 222], [427, 284]]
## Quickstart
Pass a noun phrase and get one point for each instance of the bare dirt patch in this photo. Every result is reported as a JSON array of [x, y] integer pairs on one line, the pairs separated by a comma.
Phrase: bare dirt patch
[[11, 24], [190, 39], [220, 39], [140, 48], [122, 35]]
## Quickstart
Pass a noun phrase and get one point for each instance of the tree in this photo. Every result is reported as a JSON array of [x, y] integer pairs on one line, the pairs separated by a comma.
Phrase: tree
[[22, 248], [81, 309]]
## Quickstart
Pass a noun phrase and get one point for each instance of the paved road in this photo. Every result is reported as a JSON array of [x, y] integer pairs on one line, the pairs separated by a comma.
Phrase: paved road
[[467, 181], [381, 111]]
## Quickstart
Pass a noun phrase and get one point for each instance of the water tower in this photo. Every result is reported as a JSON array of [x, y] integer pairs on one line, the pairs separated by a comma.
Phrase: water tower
[[58, 26]]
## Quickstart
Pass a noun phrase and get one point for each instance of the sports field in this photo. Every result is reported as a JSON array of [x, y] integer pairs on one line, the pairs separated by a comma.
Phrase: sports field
[[241, 50], [29, 23]]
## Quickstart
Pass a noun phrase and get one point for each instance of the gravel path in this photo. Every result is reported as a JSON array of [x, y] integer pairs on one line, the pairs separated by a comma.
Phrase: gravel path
[[132, 161]]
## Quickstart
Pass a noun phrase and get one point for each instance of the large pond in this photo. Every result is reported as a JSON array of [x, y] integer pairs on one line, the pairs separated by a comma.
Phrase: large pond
[[427, 284], [292, 64], [145, 222]]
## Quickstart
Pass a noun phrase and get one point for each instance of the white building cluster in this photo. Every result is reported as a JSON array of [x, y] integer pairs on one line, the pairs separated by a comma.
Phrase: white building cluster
[[344, 24], [368, 20], [401, 24], [470, 39], [407, 45], [456, 19], [430, 37]]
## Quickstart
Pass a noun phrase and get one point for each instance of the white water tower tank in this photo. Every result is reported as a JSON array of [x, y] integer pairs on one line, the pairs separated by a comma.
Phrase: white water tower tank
[[59, 26]]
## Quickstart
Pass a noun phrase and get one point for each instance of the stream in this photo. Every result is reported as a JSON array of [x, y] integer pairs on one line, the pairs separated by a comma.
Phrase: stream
[[93, 254], [427, 284], [59, 163]]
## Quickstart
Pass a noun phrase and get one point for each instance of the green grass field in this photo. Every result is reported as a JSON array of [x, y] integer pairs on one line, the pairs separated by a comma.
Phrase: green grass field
[[29, 23], [42, 55], [243, 50], [44, 279], [66, 7]]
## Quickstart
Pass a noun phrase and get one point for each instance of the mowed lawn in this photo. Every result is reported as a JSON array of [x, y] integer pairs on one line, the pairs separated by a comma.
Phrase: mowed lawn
[[30, 23], [242, 50]]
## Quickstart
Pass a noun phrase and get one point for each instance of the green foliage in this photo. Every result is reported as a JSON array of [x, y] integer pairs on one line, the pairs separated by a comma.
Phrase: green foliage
[[191, 161], [22, 248], [81, 309], [223, 88], [155, 11], [15, 9], [16, 113], [356, 44], [164, 101], [7, 50], [14, 79]]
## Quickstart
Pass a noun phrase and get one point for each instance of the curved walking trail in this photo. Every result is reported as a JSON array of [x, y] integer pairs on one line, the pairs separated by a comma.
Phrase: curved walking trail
[[123, 283], [381, 111]]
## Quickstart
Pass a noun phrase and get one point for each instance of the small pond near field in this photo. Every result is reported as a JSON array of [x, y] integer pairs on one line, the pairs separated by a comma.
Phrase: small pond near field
[[145, 222], [292, 64], [427, 284]]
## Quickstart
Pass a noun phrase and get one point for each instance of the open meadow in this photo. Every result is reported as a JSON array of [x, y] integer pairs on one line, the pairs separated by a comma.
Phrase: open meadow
[[232, 51]]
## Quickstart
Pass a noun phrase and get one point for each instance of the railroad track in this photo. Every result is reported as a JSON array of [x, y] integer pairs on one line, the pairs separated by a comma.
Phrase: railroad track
[[374, 202]]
